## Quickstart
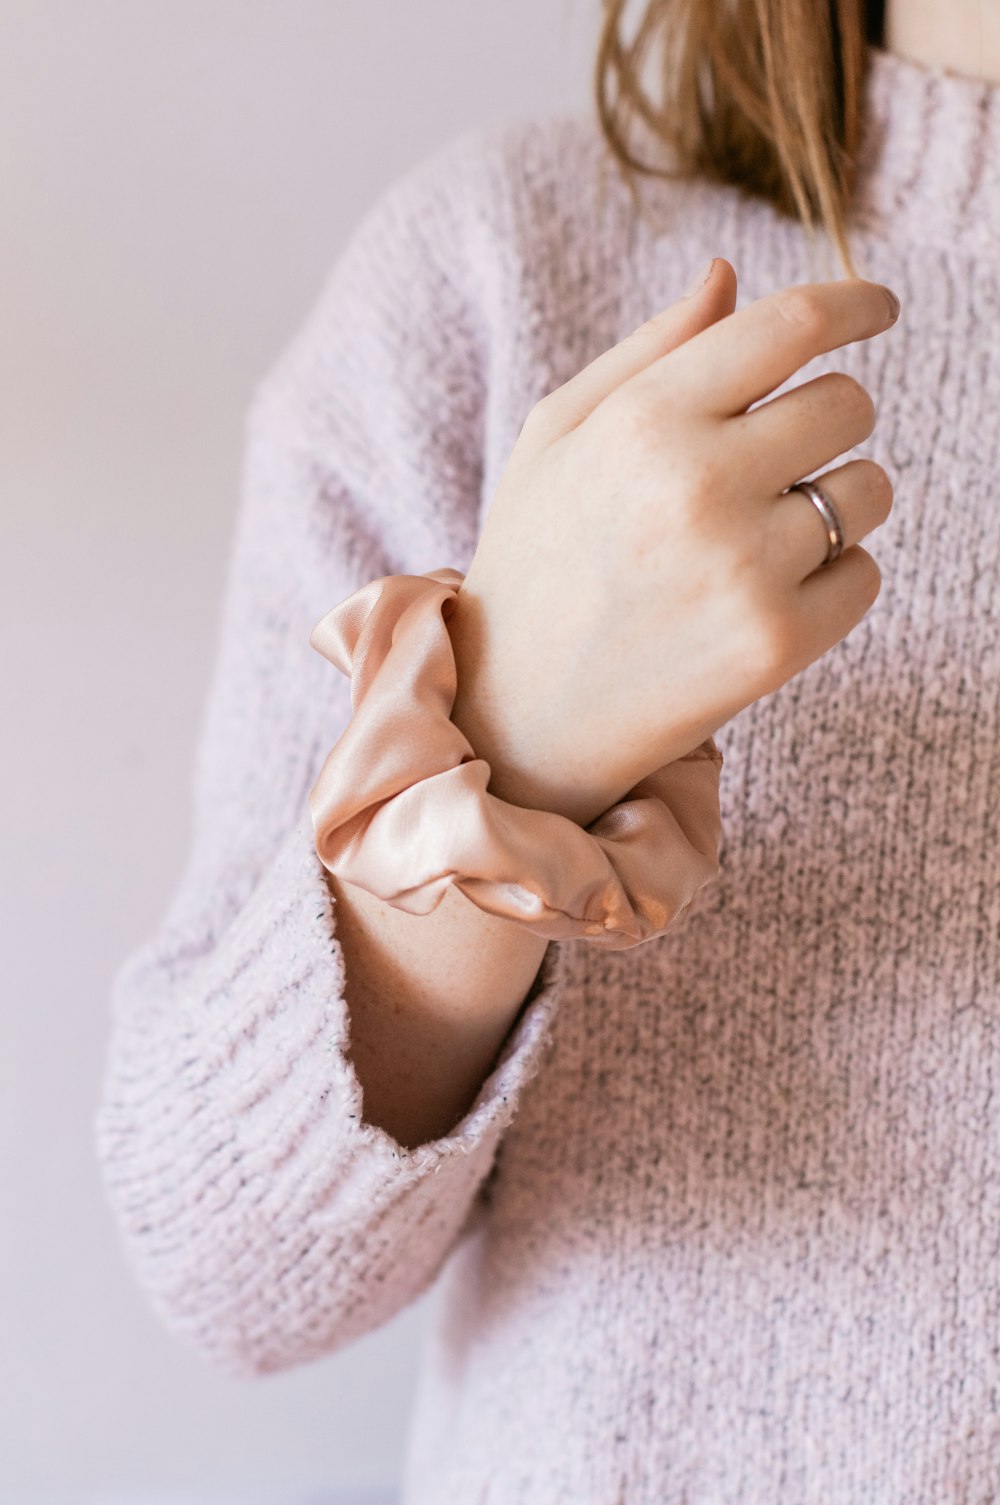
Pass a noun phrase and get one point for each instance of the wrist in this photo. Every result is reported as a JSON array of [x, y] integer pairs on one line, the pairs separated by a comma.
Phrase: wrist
[[512, 723]]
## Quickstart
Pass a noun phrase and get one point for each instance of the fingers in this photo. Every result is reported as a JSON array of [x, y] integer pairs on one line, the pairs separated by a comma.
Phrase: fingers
[[778, 443], [566, 407], [739, 359], [831, 602], [796, 539]]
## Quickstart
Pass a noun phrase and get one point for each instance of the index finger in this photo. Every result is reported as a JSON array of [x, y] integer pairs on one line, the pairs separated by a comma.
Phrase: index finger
[[742, 357]]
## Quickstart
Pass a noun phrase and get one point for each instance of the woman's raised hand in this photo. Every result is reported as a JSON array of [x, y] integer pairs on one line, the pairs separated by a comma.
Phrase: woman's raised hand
[[641, 577]]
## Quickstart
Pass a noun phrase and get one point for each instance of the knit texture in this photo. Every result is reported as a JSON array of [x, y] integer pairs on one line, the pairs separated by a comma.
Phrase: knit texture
[[722, 1226]]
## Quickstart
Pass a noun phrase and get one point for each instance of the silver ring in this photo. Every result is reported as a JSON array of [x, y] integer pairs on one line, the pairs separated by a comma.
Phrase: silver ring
[[831, 519]]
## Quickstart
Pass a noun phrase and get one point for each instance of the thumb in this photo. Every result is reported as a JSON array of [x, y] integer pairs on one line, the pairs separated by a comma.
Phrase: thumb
[[567, 406]]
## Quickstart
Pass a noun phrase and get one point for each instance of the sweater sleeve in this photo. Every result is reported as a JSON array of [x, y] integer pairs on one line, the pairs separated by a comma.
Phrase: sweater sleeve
[[267, 1222]]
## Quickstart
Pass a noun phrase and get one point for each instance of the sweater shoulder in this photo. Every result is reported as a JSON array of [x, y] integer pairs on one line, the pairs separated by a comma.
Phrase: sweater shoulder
[[543, 155], [540, 200], [535, 213], [499, 193], [438, 245]]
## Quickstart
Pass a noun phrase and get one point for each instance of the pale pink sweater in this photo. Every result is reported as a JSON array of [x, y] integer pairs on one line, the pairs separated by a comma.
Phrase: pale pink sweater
[[723, 1224]]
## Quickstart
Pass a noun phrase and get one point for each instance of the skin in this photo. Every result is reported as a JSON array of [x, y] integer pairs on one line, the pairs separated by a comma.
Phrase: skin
[[641, 576], [620, 561], [960, 36], [619, 606]]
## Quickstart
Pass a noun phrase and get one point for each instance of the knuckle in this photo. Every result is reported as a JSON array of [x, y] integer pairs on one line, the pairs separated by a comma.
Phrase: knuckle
[[869, 576], [627, 417], [706, 477], [639, 338], [543, 415], [855, 399], [803, 309], [879, 489], [770, 649], [763, 641]]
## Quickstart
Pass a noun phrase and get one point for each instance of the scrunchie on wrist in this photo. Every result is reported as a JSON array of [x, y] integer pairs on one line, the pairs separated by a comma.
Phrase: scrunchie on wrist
[[401, 806]]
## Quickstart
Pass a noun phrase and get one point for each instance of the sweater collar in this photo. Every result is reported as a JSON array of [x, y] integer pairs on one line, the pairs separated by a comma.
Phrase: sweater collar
[[929, 165]]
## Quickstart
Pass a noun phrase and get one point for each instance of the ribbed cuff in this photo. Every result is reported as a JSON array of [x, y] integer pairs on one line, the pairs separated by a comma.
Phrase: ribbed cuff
[[233, 1140]]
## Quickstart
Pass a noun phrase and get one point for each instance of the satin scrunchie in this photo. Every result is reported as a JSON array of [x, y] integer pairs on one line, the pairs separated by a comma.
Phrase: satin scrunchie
[[401, 806]]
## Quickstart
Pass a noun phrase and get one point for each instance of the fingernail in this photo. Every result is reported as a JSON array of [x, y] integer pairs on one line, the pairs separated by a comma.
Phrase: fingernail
[[699, 281], [893, 304]]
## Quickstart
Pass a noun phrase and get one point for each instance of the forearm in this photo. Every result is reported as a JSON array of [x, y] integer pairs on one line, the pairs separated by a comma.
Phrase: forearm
[[432, 997]]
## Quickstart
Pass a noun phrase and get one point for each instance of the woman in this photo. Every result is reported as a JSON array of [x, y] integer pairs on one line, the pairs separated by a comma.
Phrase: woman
[[716, 1216]]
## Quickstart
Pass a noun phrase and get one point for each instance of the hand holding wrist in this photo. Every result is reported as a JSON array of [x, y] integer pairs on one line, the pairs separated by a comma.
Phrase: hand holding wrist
[[401, 805]]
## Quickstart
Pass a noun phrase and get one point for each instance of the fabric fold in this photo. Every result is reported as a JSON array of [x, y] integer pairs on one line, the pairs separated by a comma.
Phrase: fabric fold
[[402, 807]]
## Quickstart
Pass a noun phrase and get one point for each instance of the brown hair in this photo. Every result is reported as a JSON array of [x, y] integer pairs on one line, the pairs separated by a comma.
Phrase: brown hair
[[765, 94]]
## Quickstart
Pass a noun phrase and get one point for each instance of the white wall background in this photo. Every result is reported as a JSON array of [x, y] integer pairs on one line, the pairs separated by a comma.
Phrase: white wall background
[[175, 179]]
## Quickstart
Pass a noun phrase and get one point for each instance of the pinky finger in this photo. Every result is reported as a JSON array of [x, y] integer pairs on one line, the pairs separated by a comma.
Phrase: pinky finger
[[833, 599]]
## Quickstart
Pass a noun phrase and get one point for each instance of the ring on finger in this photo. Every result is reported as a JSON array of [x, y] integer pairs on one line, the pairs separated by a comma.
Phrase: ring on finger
[[829, 516]]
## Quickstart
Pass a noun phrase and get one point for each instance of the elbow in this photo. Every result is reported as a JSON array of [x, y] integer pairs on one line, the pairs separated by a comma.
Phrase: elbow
[[213, 1295], [221, 1276]]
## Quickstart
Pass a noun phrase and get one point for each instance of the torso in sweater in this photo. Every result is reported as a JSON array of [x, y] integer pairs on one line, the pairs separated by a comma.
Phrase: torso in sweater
[[739, 1242], [743, 1240]]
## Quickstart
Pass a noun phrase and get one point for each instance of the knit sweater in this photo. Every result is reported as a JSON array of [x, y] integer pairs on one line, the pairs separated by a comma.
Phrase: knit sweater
[[722, 1226]]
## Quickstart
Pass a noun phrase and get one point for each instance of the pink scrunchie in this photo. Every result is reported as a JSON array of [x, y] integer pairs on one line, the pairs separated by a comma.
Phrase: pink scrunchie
[[401, 806]]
